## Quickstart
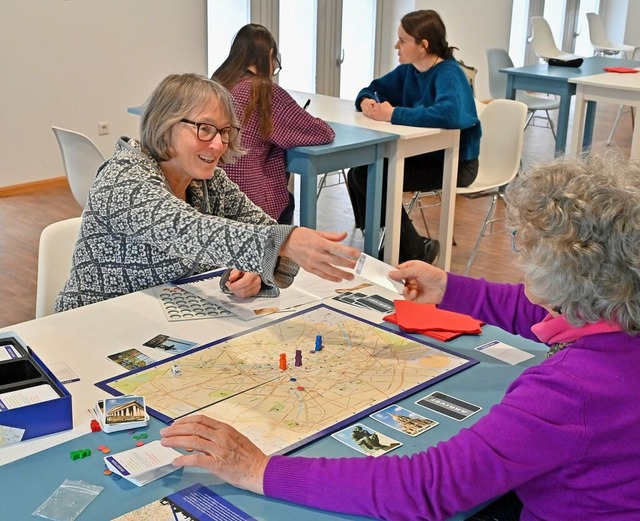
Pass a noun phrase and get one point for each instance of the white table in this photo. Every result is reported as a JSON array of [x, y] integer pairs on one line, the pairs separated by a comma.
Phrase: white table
[[609, 87], [411, 141]]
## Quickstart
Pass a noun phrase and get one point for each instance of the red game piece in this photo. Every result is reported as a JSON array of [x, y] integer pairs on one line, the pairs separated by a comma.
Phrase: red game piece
[[283, 362], [95, 426], [139, 443]]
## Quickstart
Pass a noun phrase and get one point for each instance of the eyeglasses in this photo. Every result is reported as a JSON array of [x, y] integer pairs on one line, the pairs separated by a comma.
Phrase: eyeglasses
[[514, 244], [207, 132], [278, 67]]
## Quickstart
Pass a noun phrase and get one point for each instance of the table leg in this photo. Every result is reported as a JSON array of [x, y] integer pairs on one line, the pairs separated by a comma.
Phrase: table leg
[[563, 124], [308, 198], [447, 212], [578, 123], [635, 141], [374, 203], [588, 124], [395, 178]]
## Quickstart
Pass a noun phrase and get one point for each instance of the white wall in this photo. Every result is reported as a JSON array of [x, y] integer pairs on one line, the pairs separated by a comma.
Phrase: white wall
[[473, 27], [73, 63]]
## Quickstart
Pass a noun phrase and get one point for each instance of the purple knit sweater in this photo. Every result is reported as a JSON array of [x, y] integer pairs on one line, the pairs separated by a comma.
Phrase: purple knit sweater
[[565, 437]]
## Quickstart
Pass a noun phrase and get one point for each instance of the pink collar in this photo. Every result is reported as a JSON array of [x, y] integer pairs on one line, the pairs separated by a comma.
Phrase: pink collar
[[554, 330]]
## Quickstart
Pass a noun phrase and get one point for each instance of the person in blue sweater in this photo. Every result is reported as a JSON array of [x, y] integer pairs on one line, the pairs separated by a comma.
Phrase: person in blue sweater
[[427, 89]]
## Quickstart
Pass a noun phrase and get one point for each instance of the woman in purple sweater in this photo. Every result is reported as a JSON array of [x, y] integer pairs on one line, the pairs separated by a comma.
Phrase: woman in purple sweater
[[271, 121], [564, 441]]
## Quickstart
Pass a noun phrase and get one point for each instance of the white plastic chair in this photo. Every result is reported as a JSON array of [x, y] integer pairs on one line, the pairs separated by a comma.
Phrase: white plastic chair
[[81, 158], [543, 43], [603, 46], [601, 43], [500, 152], [57, 243], [499, 59]]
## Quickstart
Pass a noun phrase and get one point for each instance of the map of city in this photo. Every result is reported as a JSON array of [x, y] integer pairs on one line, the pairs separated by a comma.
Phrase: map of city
[[361, 368]]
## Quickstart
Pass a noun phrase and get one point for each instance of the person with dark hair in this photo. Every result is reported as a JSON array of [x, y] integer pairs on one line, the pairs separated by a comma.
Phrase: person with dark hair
[[271, 121], [161, 209], [427, 89], [562, 444]]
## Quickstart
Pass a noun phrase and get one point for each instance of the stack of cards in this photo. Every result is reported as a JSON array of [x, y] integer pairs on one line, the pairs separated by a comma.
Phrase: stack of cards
[[143, 464], [428, 320], [122, 413]]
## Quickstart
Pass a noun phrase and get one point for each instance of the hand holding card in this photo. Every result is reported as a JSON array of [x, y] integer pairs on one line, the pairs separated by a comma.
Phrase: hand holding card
[[377, 272]]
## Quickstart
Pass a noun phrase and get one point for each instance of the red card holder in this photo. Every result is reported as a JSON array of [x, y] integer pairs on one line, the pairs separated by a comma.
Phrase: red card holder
[[620, 70]]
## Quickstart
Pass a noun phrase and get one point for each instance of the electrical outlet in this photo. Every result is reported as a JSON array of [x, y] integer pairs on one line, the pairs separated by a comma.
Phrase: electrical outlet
[[103, 128]]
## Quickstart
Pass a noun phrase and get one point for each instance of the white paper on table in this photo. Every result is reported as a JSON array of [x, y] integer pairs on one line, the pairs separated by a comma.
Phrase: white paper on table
[[141, 465], [306, 288], [505, 352], [377, 272]]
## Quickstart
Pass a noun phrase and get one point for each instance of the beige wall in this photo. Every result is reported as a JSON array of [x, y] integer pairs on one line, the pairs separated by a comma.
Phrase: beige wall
[[73, 63]]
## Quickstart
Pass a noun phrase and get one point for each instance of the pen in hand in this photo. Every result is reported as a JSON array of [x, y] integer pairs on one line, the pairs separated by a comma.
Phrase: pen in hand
[[306, 105], [376, 97]]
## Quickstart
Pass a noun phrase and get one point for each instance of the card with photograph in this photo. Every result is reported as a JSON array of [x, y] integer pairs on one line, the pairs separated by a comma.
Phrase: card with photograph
[[170, 344], [131, 359], [124, 410], [404, 420], [365, 440]]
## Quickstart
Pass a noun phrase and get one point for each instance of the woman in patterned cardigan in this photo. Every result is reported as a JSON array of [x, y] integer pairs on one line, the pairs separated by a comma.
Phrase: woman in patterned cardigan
[[161, 209]]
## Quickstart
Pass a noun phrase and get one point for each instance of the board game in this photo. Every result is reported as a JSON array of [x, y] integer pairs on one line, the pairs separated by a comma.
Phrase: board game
[[359, 368]]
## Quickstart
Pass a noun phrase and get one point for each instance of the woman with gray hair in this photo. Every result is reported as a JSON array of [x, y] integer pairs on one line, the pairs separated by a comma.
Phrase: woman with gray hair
[[161, 209], [563, 442]]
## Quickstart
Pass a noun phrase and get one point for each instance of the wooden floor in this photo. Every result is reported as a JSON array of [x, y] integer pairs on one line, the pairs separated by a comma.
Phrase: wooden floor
[[24, 216]]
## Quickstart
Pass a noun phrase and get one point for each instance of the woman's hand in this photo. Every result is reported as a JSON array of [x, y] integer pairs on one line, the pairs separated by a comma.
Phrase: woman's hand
[[222, 450], [422, 282], [321, 253], [378, 111], [243, 284]]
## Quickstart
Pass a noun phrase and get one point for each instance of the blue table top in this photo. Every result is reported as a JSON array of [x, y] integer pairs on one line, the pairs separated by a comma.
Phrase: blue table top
[[28, 482], [589, 67], [347, 138]]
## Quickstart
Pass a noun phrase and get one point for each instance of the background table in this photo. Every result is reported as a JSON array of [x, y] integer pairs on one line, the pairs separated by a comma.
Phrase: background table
[[610, 87], [85, 336], [555, 80], [410, 141], [352, 146]]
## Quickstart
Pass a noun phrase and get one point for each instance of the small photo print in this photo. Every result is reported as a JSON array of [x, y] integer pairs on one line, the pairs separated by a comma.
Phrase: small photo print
[[404, 420], [131, 359], [365, 440], [124, 409], [170, 344]]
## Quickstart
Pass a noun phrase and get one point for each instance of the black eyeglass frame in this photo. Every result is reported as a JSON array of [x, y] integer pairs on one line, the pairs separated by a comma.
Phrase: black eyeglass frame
[[278, 68], [226, 133]]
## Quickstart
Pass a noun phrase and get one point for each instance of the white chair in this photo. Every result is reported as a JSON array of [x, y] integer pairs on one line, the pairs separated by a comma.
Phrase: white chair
[[543, 43], [601, 43], [500, 152], [81, 158], [499, 59], [603, 46], [57, 243]]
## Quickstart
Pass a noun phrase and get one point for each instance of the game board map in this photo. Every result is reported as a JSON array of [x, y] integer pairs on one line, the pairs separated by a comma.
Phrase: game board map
[[361, 368]]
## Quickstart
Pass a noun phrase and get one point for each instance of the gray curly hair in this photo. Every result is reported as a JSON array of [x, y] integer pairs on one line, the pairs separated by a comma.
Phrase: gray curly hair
[[578, 229]]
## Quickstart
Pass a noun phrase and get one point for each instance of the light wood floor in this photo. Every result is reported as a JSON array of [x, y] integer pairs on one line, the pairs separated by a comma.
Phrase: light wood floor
[[24, 216]]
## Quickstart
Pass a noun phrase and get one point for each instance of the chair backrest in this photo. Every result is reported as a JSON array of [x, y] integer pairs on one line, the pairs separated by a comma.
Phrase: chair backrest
[[502, 123], [498, 59], [542, 39], [470, 73], [57, 243], [81, 158], [598, 35]]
